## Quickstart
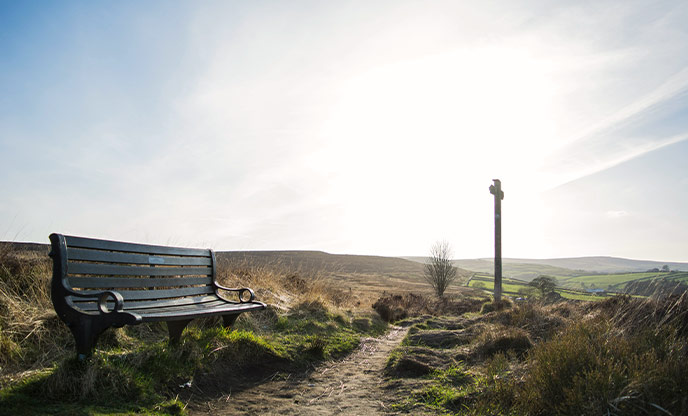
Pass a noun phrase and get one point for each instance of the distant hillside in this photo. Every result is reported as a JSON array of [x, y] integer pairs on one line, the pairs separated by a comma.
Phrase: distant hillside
[[522, 271], [671, 284], [321, 261], [370, 274], [528, 269], [603, 264], [367, 273]]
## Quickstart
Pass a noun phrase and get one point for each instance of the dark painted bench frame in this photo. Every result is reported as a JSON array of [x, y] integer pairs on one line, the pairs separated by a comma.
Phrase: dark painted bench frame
[[99, 284]]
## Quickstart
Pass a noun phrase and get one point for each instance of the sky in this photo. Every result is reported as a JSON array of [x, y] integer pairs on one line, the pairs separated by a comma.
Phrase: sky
[[356, 127]]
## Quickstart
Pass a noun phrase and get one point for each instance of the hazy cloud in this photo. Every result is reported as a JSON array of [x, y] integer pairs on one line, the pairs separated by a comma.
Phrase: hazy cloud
[[617, 214]]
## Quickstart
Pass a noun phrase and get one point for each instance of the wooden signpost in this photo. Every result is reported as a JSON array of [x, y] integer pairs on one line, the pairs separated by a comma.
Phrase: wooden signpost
[[496, 190]]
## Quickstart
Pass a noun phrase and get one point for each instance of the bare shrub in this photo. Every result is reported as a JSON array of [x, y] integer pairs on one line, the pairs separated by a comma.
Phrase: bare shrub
[[439, 271]]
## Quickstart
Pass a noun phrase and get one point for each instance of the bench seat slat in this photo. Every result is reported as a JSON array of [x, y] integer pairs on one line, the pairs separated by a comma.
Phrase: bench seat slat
[[211, 305], [198, 312], [190, 311], [81, 242], [131, 258], [160, 294], [209, 301], [119, 283], [143, 304], [115, 270]]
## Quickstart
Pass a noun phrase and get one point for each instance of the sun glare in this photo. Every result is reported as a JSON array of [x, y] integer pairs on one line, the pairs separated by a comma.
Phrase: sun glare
[[492, 101], [452, 120]]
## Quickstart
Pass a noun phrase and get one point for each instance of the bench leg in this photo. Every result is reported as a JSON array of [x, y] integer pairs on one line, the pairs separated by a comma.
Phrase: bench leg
[[175, 328], [86, 334], [228, 320]]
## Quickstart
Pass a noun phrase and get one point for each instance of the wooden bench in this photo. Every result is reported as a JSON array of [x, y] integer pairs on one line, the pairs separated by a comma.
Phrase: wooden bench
[[99, 284]]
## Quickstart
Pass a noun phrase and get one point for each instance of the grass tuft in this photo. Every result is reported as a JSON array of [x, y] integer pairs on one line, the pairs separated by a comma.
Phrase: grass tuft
[[493, 306], [621, 356], [392, 308], [501, 339], [598, 366]]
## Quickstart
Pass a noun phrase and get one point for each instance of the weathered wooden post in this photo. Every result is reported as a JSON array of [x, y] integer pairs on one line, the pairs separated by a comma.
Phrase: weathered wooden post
[[496, 190]]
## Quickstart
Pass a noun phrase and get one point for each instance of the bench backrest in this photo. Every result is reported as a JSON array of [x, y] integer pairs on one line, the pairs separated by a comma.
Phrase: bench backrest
[[142, 274]]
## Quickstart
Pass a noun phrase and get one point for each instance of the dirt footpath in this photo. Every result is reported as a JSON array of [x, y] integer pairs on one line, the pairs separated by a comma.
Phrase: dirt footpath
[[351, 386]]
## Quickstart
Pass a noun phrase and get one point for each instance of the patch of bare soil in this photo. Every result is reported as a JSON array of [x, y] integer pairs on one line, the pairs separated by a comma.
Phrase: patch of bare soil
[[351, 386]]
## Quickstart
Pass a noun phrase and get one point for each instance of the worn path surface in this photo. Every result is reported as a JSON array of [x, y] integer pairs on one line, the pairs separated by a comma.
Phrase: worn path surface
[[351, 386]]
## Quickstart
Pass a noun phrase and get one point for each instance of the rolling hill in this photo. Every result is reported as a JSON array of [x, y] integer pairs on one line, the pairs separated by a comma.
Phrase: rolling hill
[[602, 264], [376, 274], [370, 274], [528, 269]]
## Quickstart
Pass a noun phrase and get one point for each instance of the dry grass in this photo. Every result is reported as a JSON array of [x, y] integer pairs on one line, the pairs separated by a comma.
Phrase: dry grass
[[494, 339], [492, 306], [621, 356], [540, 321], [31, 335], [631, 315], [308, 320], [284, 285], [396, 307], [367, 277]]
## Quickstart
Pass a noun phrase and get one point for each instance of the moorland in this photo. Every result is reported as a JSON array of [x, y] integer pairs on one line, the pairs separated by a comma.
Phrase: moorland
[[351, 334]]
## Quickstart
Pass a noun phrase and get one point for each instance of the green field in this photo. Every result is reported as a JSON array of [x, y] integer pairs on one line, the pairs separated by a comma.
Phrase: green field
[[573, 287], [605, 281], [512, 287], [520, 271], [616, 282]]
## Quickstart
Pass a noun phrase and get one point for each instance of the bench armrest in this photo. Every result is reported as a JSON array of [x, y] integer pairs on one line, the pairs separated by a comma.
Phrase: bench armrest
[[102, 299], [241, 292]]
